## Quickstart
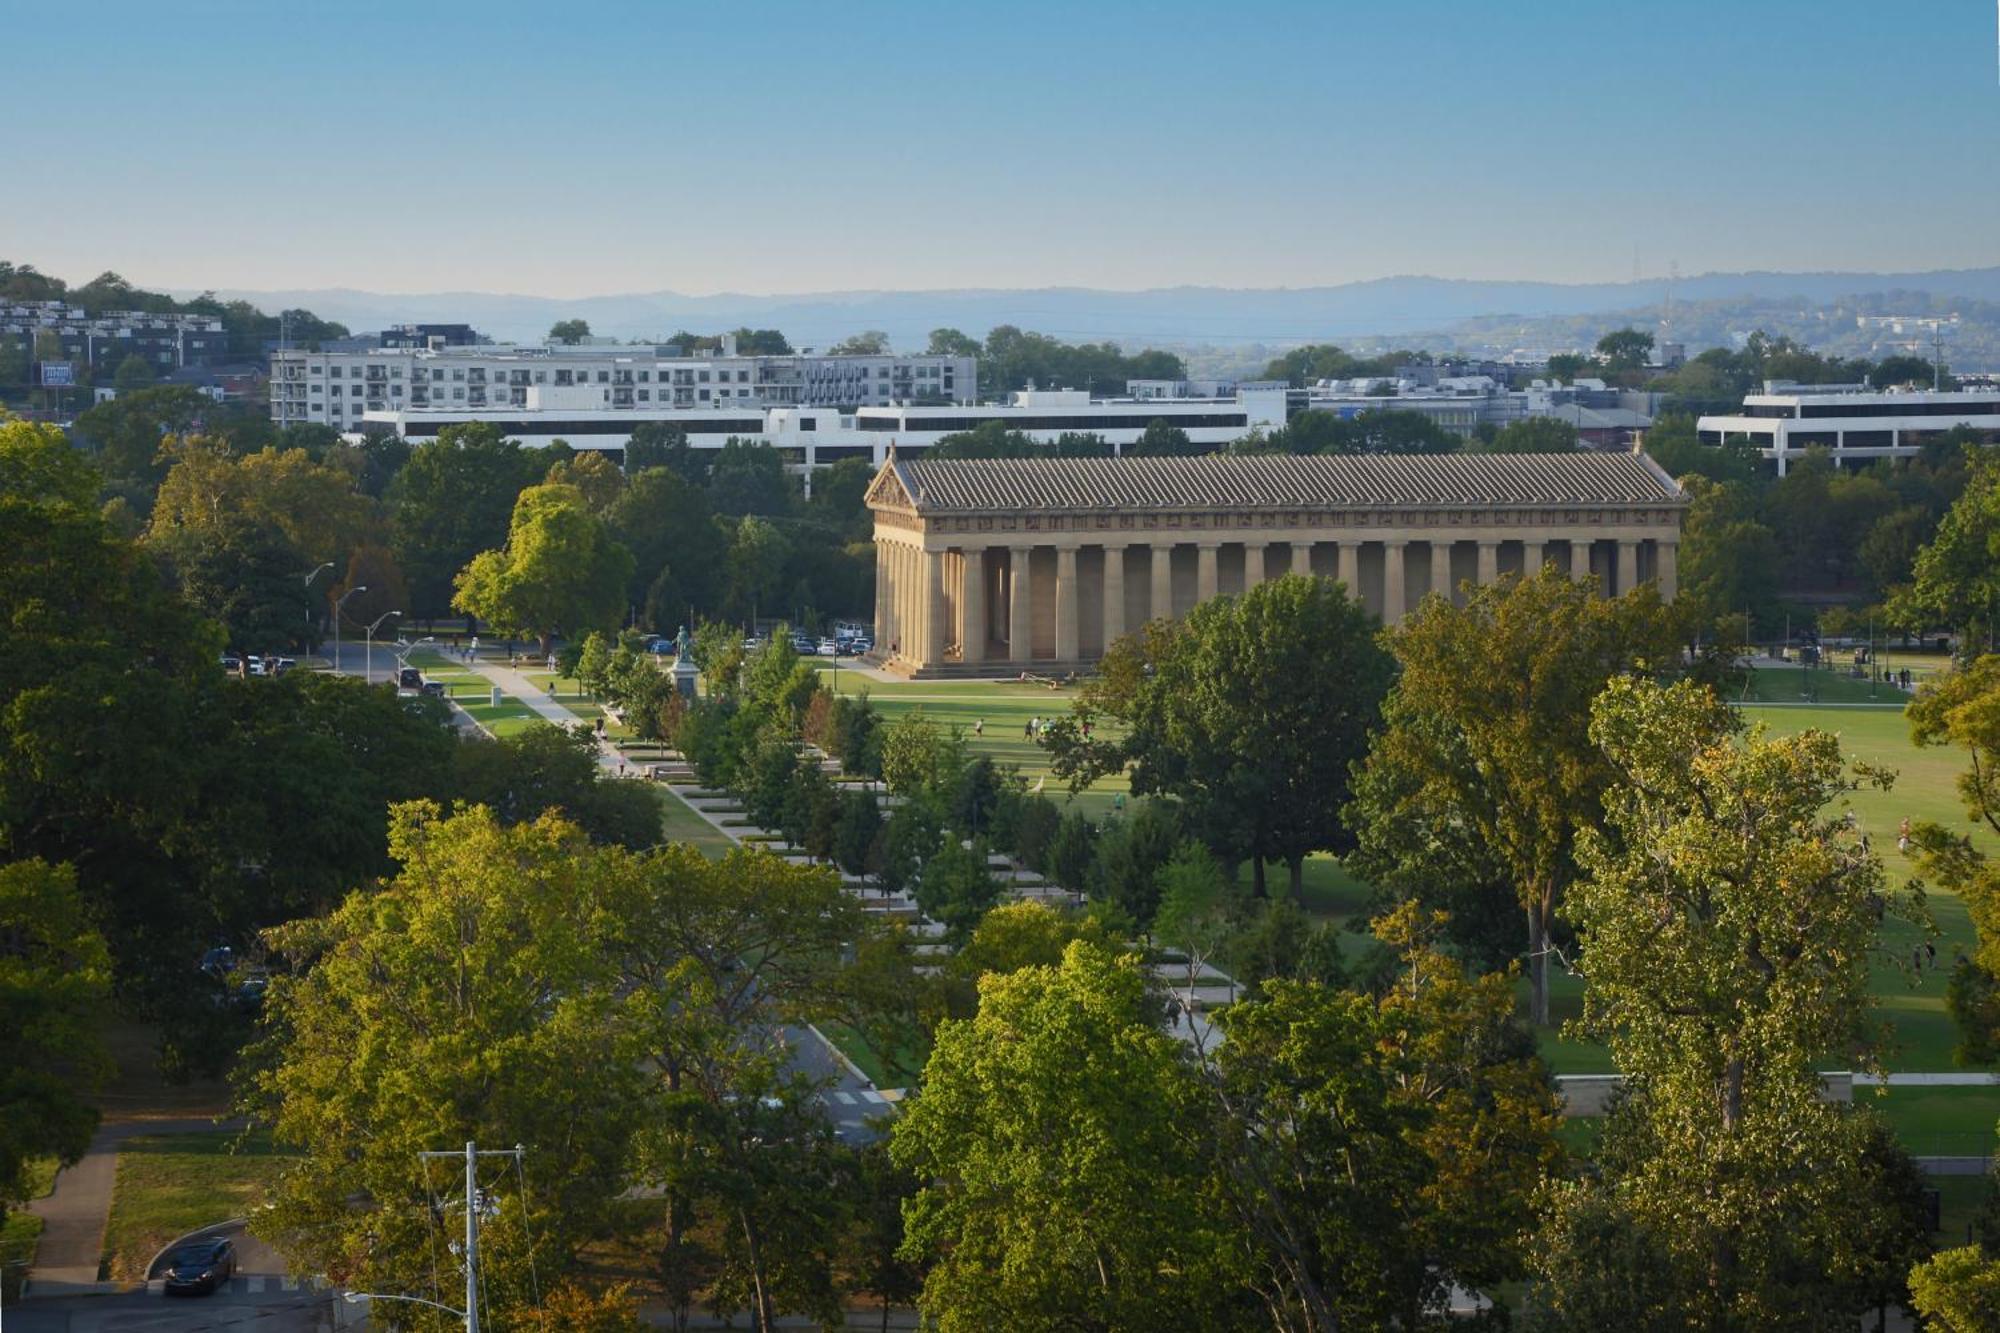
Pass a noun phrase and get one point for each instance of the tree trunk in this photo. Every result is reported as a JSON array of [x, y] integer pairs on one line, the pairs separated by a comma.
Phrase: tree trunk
[[1538, 967], [1297, 867], [767, 1316], [1257, 875]]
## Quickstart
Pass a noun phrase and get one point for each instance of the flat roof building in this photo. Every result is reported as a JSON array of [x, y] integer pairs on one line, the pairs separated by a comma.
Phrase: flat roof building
[[824, 434], [995, 567], [339, 388], [1854, 424]]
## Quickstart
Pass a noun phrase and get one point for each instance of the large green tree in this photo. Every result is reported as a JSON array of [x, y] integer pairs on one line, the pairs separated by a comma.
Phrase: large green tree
[[474, 996], [1726, 913], [1484, 771], [1250, 711], [666, 523], [451, 501], [1060, 1190], [1377, 1150], [562, 570], [55, 976], [1958, 574]]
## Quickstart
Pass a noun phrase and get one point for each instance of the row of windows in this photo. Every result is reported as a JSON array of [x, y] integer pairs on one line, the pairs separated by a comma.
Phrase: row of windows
[[1136, 421], [1900, 409], [752, 426]]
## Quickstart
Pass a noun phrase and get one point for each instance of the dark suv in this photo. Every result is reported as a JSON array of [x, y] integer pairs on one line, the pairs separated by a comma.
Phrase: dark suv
[[199, 1267]]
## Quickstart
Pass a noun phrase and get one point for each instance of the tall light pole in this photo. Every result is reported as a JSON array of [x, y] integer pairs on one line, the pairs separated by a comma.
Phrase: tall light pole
[[359, 587], [368, 647], [324, 566]]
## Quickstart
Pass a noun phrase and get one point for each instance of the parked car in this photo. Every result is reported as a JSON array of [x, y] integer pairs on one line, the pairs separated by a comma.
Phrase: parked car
[[829, 648], [232, 664], [752, 644], [434, 687], [864, 644], [409, 678], [198, 1268], [659, 645], [254, 665], [283, 664]]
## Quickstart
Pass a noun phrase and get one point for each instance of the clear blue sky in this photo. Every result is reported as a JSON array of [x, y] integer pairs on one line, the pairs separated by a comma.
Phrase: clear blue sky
[[573, 148]]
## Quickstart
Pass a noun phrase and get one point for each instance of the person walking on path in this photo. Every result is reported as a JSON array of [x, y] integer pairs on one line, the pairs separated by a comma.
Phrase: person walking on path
[[979, 727]]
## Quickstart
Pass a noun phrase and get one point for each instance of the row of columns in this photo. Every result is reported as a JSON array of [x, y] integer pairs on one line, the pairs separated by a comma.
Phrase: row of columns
[[917, 617]]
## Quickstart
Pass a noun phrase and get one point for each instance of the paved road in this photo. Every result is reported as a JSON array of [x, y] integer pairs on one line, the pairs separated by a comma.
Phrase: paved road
[[250, 1304]]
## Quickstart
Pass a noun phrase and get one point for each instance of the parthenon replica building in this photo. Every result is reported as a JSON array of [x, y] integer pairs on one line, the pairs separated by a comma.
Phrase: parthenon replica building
[[998, 566]]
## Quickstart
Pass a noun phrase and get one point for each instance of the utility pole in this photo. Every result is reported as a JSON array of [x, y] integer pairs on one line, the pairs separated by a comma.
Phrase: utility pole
[[471, 1238], [473, 1203]]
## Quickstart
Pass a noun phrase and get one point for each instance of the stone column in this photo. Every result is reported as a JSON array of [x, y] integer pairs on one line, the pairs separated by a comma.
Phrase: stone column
[[1489, 563], [1441, 569], [937, 611], [907, 627], [1579, 558], [1204, 575], [1161, 606], [1302, 558], [972, 607], [1114, 592], [892, 564], [1066, 637], [881, 628], [1253, 564], [1534, 554], [1393, 586], [1020, 621], [1666, 569], [1627, 577], [1347, 566]]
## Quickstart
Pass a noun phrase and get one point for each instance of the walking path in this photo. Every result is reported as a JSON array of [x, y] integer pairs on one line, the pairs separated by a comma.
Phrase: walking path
[[75, 1212]]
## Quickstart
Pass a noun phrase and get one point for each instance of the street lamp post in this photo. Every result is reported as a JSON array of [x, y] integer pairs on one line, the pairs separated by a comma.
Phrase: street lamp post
[[361, 587], [368, 647], [324, 566]]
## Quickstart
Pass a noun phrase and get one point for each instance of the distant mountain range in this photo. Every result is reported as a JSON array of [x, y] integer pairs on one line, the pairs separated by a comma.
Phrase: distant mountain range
[[1166, 316]]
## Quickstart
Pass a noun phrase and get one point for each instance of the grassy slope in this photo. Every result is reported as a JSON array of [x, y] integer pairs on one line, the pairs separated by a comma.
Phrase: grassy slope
[[170, 1184]]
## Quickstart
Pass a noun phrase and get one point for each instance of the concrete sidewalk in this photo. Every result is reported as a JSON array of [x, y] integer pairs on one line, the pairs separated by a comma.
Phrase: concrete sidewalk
[[76, 1210]]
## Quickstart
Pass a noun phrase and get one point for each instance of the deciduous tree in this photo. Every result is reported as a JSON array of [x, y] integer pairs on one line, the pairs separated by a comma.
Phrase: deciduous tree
[[1485, 771], [1725, 914], [561, 570]]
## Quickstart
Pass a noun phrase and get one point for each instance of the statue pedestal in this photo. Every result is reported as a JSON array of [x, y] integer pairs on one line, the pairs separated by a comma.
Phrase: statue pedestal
[[685, 674]]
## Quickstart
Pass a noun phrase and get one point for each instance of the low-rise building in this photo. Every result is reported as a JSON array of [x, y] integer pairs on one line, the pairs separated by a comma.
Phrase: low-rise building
[[1853, 423], [813, 436], [339, 388]]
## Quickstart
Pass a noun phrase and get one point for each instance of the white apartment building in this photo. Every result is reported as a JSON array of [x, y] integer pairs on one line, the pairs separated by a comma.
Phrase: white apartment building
[[815, 436], [339, 388], [1853, 423]]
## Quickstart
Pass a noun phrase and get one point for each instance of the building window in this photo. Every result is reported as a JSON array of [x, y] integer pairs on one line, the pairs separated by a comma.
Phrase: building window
[[704, 395]]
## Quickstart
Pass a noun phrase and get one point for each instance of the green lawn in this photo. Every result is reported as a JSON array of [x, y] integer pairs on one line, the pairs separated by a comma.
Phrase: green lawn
[[1938, 1122], [679, 823], [171, 1184], [899, 1070], [1796, 685]]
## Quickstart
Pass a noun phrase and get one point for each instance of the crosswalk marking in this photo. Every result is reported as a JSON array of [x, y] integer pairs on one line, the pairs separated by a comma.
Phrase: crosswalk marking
[[845, 1099], [874, 1096]]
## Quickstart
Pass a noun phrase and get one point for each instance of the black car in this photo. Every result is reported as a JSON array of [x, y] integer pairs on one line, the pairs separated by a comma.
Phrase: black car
[[198, 1268]]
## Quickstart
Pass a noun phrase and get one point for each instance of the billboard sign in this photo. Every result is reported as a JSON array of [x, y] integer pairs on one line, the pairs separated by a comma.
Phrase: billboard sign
[[58, 374]]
